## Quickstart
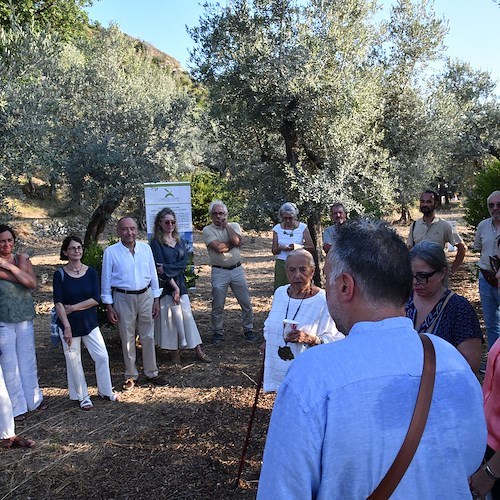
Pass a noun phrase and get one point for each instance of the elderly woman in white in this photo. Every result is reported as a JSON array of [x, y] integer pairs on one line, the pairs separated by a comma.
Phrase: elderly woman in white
[[302, 304], [288, 235]]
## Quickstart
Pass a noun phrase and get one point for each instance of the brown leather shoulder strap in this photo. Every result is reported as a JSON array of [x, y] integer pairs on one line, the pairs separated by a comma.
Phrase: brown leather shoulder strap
[[403, 459]]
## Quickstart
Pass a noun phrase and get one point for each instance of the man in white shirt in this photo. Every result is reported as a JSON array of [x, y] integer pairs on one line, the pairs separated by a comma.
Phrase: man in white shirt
[[131, 292]]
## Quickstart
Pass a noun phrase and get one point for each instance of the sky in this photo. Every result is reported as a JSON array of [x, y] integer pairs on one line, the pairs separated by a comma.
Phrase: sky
[[471, 37]]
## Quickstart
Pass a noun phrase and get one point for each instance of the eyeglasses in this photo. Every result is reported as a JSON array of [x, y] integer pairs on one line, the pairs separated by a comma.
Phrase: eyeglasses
[[423, 278], [218, 213], [169, 222], [75, 249], [493, 205]]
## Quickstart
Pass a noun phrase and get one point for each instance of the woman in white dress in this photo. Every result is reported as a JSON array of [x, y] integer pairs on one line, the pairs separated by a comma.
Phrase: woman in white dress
[[303, 305]]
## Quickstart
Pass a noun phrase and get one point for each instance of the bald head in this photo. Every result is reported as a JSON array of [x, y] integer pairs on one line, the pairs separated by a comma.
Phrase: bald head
[[126, 230]]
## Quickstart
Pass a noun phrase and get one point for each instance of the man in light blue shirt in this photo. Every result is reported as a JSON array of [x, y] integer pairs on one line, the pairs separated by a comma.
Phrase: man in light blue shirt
[[343, 411]]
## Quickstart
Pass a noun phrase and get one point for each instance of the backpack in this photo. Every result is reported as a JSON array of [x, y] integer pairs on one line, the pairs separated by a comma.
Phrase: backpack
[[55, 339]]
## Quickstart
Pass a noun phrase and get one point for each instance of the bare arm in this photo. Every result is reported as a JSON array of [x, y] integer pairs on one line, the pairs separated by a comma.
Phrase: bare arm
[[22, 273], [219, 246], [480, 482], [80, 306], [459, 258], [111, 314], [234, 238], [222, 247], [471, 351], [61, 313], [156, 307], [176, 294]]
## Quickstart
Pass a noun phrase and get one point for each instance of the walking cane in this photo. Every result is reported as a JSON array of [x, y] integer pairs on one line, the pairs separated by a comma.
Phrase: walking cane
[[250, 423]]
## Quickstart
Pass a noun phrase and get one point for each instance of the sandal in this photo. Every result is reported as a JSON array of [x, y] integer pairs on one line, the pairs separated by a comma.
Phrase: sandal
[[86, 404], [114, 396], [21, 417], [129, 384], [17, 442], [41, 407], [203, 357]]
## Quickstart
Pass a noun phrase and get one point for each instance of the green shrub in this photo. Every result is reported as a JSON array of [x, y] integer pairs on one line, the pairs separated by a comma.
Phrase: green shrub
[[93, 258], [190, 273], [486, 181]]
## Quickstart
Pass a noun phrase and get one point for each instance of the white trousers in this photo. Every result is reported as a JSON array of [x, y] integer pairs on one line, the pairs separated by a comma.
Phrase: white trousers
[[96, 347], [18, 362], [6, 416]]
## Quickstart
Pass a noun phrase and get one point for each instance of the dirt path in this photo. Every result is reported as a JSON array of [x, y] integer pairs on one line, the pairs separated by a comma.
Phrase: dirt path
[[180, 441]]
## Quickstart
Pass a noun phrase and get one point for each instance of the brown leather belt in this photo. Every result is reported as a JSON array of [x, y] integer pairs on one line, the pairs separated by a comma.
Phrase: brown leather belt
[[131, 292], [229, 268]]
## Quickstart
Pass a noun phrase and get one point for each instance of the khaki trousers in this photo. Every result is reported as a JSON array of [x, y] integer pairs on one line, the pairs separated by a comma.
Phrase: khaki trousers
[[136, 311]]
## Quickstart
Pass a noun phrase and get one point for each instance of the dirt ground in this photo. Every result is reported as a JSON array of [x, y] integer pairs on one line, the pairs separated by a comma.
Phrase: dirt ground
[[180, 441]]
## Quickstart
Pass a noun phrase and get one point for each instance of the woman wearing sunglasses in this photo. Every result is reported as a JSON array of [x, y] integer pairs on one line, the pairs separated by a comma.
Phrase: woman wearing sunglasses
[[175, 326], [437, 310]]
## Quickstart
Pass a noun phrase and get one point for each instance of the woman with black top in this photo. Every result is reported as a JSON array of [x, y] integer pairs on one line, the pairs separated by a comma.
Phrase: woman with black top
[[76, 295]]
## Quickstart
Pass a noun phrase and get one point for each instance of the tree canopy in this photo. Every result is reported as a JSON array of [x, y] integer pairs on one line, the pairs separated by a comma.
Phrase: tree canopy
[[320, 102], [67, 18], [95, 115]]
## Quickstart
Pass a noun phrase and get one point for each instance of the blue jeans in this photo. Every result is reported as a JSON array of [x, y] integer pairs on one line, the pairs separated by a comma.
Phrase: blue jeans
[[490, 302]]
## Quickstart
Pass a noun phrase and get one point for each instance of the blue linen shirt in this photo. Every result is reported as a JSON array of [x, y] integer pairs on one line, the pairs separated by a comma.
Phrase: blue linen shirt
[[343, 411]]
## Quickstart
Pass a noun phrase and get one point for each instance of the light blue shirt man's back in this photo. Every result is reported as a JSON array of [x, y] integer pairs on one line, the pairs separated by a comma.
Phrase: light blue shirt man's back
[[343, 411]]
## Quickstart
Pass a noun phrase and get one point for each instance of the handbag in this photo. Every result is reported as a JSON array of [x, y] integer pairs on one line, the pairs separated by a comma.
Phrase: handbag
[[405, 455]]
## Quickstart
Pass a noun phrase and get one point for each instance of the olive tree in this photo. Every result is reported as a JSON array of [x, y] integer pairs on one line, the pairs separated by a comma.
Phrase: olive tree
[[294, 95], [121, 121]]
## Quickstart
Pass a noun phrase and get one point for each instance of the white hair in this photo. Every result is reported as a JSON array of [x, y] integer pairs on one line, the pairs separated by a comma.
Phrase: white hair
[[216, 202], [288, 207]]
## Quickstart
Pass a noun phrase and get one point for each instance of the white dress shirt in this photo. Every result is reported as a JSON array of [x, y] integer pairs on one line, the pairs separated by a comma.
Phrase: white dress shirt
[[129, 271]]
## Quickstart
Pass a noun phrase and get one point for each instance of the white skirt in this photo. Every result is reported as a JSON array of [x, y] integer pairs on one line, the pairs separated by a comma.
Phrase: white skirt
[[175, 327]]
